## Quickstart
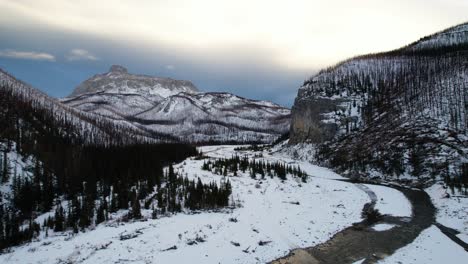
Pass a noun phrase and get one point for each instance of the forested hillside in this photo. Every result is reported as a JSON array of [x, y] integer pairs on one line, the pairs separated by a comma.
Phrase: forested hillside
[[398, 113], [63, 169]]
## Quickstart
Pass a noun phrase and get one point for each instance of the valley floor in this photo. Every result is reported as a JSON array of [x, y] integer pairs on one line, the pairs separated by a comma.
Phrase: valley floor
[[270, 218], [452, 209]]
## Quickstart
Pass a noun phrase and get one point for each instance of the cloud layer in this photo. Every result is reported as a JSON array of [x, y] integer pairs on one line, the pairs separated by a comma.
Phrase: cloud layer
[[80, 55], [293, 34], [26, 55], [260, 49]]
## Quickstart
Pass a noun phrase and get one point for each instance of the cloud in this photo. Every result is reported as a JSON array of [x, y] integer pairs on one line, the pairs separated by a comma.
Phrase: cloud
[[80, 55], [170, 67], [299, 34], [26, 55]]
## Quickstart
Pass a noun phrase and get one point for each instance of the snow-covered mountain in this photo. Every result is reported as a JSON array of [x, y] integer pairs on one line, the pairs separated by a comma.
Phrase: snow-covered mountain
[[393, 113], [118, 80], [86, 128], [176, 108]]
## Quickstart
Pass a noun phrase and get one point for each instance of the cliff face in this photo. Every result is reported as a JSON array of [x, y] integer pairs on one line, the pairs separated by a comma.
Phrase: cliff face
[[306, 120], [384, 112]]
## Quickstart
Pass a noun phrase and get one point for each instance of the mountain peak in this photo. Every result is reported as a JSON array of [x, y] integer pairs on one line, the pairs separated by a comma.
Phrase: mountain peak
[[119, 81], [118, 68]]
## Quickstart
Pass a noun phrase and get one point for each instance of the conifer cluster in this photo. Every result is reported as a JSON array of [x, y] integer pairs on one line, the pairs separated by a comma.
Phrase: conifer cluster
[[235, 164]]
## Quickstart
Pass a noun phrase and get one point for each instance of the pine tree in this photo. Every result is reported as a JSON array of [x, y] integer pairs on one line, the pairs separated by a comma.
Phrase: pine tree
[[59, 219], [6, 169], [136, 207], [100, 214], [113, 207], [252, 174], [154, 213], [416, 159]]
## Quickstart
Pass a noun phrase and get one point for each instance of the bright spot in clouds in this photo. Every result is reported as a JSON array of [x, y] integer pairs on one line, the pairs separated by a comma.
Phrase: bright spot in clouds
[[80, 54]]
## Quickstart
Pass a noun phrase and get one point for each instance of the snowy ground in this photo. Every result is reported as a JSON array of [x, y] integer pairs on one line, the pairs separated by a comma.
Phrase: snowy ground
[[391, 201], [451, 211], [430, 247], [282, 215]]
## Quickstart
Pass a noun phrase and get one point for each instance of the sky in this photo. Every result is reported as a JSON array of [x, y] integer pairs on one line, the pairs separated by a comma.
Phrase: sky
[[260, 49]]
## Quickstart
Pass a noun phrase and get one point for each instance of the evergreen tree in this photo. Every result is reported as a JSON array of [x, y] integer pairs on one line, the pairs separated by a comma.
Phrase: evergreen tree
[[416, 159], [154, 213], [101, 211], [59, 218], [136, 207], [6, 169]]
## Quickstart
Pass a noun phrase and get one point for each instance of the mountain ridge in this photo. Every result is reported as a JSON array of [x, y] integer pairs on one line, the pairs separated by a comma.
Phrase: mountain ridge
[[376, 114], [187, 114], [90, 128]]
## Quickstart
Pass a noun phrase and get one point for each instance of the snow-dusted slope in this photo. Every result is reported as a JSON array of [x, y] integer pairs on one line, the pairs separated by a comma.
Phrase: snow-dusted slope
[[89, 127], [176, 108], [457, 35], [217, 116], [379, 114]]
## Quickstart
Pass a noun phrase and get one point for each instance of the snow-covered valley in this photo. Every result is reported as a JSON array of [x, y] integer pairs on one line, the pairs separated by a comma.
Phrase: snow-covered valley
[[229, 139], [268, 218], [282, 216]]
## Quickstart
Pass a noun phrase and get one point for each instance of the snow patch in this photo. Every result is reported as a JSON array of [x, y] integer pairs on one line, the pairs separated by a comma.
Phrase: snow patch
[[383, 227], [430, 247], [391, 201]]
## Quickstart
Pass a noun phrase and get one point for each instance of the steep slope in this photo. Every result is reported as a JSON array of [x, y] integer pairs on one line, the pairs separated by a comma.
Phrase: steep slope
[[176, 108], [449, 38], [88, 128], [53, 157], [402, 112]]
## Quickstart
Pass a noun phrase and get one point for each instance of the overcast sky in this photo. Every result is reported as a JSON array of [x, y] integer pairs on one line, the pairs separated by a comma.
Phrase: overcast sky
[[261, 49]]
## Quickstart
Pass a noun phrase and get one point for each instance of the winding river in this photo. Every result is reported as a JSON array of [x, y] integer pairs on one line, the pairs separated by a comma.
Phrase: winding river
[[360, 241]]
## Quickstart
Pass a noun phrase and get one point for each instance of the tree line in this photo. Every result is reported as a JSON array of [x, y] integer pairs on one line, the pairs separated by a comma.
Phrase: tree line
[[232, 166]]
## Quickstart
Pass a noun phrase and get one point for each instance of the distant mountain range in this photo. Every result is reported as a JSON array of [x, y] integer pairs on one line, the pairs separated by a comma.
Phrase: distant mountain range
[[403, 112], [83, 128], [177, 109]]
